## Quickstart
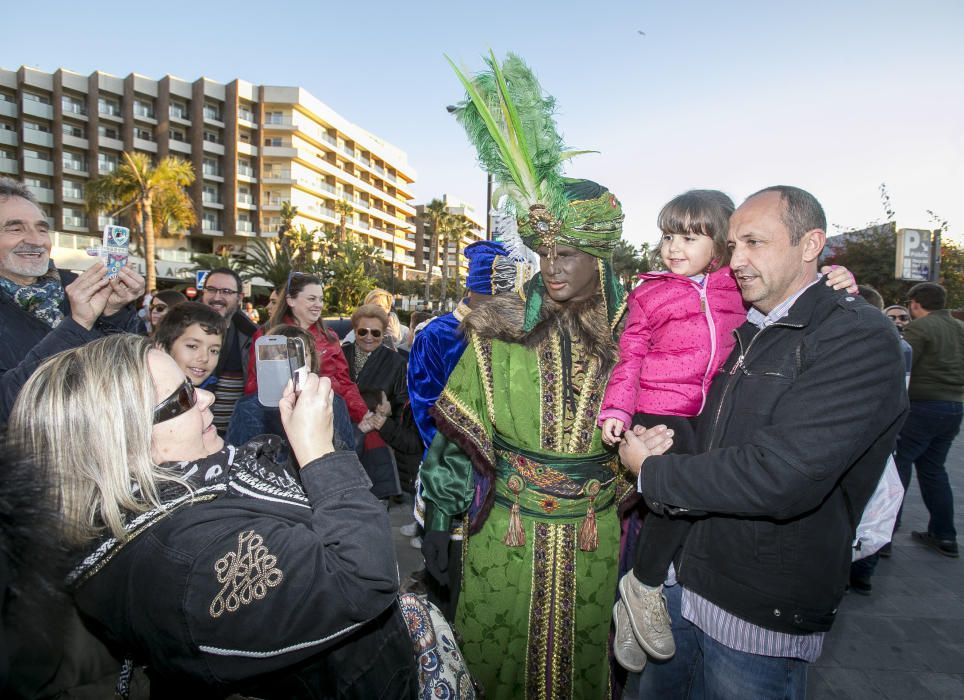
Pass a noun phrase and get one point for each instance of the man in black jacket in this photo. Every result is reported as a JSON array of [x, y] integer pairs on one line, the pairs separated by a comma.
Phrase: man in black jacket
[[796, 431], [222, 292], [44, 310]]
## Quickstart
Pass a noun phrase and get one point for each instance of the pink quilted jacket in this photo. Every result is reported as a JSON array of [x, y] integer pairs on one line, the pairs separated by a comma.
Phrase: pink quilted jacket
[[678, 334]]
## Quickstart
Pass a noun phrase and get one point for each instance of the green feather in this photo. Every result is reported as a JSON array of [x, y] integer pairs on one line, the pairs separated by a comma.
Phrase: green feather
[[509, 120]]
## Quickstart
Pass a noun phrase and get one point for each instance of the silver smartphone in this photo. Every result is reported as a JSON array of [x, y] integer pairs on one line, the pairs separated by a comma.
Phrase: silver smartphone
[[279, 359]]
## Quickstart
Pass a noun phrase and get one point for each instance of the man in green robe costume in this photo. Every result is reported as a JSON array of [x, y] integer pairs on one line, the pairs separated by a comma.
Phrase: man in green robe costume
[[519, 454]]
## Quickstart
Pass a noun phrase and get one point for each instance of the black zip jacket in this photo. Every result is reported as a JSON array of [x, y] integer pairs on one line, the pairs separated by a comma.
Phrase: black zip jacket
[[252, 593], [796, 433]]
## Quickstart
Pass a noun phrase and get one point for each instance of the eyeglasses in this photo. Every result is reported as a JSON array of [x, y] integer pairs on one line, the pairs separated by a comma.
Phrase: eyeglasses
[[898, 317], [181, 401], [362, 332], [214, 291]]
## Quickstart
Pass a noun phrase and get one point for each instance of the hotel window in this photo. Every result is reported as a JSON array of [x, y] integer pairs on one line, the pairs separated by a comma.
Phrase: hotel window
[[177, 135], [244, 167], [210, 167], [74, 130], [177, 110], [143, 109], [108, 132], [107, 106], [75, 161], [212, 111], [7, 97], [245, 113], [36, 182], [106, 163], [34, 97], [144, 134], [211, 136], [34, 126], [211, 221], [211, 194], [75, 217], [33, 153], [244, 136], [73, 190], [72, 105]]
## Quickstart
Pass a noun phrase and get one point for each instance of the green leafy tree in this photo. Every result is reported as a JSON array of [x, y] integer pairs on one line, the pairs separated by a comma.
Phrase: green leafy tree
[[628, 262], [152, 195], [870, 256], [266, 260]]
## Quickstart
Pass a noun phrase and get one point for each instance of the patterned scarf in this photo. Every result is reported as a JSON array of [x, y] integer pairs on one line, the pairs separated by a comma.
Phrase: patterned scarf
[[42, 299], [250, 471]]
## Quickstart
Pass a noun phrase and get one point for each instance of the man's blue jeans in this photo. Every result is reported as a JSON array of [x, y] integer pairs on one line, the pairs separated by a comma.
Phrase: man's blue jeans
[[924, 442], [705, 669]]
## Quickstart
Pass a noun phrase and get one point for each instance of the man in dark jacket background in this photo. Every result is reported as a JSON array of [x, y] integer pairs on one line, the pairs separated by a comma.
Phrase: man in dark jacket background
[[936, 395], [44, 310], [796, 432], [222, 292]]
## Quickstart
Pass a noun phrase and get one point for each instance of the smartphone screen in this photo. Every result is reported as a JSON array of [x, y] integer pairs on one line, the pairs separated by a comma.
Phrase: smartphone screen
[[114, 250], [274, 371]]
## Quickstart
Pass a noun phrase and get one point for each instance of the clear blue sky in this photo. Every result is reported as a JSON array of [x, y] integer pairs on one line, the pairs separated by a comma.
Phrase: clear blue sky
[[835, 97]]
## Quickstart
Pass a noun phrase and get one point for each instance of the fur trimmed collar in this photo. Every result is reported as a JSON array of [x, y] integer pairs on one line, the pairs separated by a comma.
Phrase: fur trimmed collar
[[502, 318]]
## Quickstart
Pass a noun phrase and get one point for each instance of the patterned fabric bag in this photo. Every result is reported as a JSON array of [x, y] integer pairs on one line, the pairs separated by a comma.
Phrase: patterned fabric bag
[[441, 669]]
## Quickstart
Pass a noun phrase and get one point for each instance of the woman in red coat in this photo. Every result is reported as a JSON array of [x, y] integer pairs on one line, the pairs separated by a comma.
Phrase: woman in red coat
[[300, 304]]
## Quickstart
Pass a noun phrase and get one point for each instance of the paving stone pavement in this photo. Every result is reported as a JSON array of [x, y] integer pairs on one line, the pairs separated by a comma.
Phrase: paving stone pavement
[[906, 640], [903, 642]]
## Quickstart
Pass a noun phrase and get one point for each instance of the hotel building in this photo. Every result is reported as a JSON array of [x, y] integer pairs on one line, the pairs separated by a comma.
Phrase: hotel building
[[252, 148], [423, 238]]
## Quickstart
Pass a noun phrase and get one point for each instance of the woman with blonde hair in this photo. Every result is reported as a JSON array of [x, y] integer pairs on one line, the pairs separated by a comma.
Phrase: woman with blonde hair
[[220, 570]]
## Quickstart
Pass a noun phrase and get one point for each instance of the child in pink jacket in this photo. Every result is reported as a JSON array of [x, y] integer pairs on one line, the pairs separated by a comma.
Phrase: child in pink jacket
[[678, 333]]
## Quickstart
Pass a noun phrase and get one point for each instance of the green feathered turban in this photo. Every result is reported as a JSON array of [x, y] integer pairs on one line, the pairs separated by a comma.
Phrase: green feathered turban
[[592, 222]]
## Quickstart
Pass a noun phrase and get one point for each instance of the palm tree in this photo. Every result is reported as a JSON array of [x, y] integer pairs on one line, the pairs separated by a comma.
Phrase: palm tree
[[344, 209], [437, 212], [154, 193], [270, 263], [288, 214], [458, 227]]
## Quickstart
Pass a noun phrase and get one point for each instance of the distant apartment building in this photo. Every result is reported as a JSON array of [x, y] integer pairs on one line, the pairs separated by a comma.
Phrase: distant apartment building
[[253, 147], [423, 238]]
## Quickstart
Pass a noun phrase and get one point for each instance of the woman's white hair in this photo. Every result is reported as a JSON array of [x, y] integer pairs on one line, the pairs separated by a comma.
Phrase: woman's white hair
[[86, 416]]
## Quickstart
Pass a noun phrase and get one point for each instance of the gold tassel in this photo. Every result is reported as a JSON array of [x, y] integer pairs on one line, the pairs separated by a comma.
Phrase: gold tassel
[[588, 534], [515, 536]]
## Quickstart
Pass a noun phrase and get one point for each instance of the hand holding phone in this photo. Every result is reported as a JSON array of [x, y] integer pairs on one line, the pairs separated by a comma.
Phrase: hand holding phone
[[307, 418], [278, 360], [114, 250]]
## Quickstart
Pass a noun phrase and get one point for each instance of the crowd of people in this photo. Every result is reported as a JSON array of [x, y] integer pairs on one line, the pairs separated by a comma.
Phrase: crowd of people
[[614, 491]]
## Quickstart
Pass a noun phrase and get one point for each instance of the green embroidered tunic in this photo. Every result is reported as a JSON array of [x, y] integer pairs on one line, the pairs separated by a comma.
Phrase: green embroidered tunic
[[534, 618]]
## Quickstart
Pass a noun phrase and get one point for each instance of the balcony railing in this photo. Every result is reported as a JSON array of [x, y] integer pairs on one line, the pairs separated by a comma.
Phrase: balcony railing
[[245, 199], [74, 107], [244, 226], [281, 121], [246, 171], [245, 114]]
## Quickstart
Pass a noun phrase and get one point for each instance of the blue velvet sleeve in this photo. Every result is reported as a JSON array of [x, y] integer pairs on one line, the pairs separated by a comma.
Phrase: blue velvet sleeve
[[435, 352]]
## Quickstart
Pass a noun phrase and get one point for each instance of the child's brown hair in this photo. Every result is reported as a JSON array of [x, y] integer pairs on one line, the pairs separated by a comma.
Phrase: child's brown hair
[[700, 212]]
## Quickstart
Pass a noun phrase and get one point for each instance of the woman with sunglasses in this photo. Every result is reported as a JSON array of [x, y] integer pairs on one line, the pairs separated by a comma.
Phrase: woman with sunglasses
[[161, 303], [300, 304], [374, 366], [218, 569]]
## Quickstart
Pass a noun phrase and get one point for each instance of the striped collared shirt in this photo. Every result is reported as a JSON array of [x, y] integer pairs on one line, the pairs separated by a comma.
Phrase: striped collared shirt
[[761, 320], [728, 629]]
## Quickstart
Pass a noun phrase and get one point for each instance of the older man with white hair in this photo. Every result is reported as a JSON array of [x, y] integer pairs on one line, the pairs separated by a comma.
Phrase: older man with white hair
[[44, 310]]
